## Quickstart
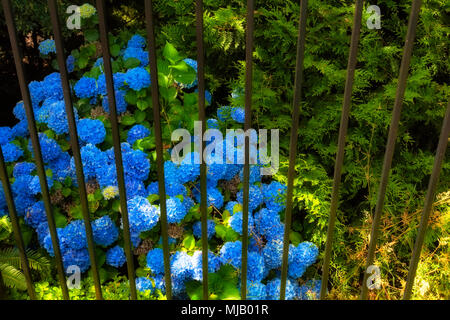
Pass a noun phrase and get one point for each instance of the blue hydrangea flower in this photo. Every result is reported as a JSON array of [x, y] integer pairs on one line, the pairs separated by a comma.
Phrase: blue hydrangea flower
[[273, 252], [20, 129], [256, 290], [142, 215], [176, 211], [121, 103], [52, 86], [118, 79], [47, 46], [224, 113], [74, 235], [236, 222], [86, 87], [255, 174], [136, 41], [136, 164], [273, 290], [137, 132], [104, 231], [155, 261], [192, 64], [35, 185], [37, 93], [92, 158], [231, 253], [274, 196], [116, 257], [23, 168], [181, 266], [268, 224], [36, 215], [70, 62], [19, 110], [213, 264], [143, 284], [57, 119], [137, 78], [61, 167], [238, 114], [5, 135], [255, 197], [306, 253], [255, 266], [136, 53], [210, 229], [310, 290], [215, 197], [91, 131], [50, 149], [230, 207], [212, 124], [11, 152], [79, 258]]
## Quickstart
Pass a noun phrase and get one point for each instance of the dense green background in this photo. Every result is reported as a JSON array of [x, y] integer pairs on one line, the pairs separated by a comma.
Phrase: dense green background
[[328, 35]]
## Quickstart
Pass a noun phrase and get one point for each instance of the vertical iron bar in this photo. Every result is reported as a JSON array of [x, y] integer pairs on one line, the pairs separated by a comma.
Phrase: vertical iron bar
[[247, 125], [116, 142], [401, 87], [434, 179], [293, 141], [202, 119], [16, 228], [351, 65], [35, 143], [74, 142], [159, 145]]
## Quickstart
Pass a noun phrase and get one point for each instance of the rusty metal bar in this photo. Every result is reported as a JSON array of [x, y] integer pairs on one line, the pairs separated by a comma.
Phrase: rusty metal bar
[[159, 145], [116, 143], [432, 185], [293, 141], [401, 87], [351, 65], [35, 143], [16, 228], [74, 142], [247, 125], [202, 119]]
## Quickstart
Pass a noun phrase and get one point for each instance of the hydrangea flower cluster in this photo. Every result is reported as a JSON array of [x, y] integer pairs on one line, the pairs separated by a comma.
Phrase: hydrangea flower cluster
[[182, 186], [47, 46]]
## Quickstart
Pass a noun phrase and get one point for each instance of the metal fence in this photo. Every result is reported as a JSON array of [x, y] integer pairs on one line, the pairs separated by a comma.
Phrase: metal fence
[[390, 146]]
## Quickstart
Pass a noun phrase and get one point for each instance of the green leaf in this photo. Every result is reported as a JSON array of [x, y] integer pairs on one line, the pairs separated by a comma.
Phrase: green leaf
[[128, 120], [76, 212], [152, 198], [169, 94], [143, 104], [139, 116], [60, 219], [131, 97], [115, 50], [189, 242], [82, 62], [131, 63], [295, 238], [66, 192], [221, 230], [91, 35], [101, 256], [171, 54]]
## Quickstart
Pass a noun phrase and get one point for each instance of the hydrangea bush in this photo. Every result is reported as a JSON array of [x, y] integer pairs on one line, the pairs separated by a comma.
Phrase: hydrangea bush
[[179, 97]]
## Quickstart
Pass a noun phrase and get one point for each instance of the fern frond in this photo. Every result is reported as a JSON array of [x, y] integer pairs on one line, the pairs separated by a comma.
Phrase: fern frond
[[37, 261], [12, 277]]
